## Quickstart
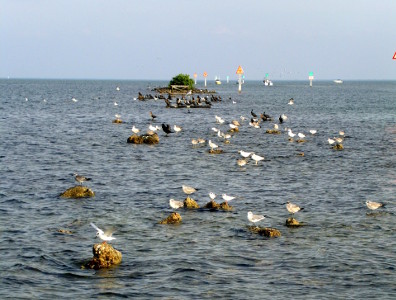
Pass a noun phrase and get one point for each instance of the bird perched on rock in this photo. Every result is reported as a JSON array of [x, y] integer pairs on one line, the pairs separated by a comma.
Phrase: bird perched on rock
[[254, 218], [175, 203], [166, 128], [80, 179], [293, 208], [188, 189]]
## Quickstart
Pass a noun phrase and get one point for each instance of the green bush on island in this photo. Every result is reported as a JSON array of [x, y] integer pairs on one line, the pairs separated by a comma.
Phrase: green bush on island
[[182, 79]]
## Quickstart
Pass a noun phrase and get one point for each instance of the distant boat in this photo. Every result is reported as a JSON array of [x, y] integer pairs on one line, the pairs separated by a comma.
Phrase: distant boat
[[217, 81], [268, 82], [338, 81]]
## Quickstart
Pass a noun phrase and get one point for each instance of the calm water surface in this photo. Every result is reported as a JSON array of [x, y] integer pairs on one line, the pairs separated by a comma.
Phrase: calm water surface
[[342, 252]]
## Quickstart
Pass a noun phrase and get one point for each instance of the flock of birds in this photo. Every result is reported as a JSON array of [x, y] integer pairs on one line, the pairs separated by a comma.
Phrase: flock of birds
[[233, 127]]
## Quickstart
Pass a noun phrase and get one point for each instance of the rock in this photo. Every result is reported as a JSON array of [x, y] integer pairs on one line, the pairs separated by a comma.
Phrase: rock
[[291, 222], [212, 205], [104, 256], [265, 231], [215, 151], [273, 131], [144, 139], [78, 191], [301, 141], [190, 203], [224, 206], [300, 154], [117, 121], [65, 231], [338, 147], [233, 130], [173, 218]]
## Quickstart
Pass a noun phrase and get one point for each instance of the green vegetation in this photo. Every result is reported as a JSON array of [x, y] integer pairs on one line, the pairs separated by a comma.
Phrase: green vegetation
[[182, 79]]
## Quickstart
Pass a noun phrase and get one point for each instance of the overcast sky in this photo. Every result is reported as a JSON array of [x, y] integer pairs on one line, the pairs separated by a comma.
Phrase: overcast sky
[[147, 39]]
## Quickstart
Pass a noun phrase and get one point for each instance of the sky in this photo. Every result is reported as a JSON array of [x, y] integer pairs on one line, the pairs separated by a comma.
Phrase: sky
[[158, 39]]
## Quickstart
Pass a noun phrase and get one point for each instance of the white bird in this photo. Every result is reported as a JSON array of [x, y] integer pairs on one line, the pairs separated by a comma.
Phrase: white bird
[[215, 129], [115, 103], [117, 116], [291, 101], [373, 205], [188, 189], [291, 134], [341, 133], [177, 128], [135, 98], [201, 141], [241, 162], [301, 135], [135, 130], [194, 142], [257, 158], [227, 198], [242, 118], [212, 195], [313, 131], [338, 140], [284, 117], [26, 99], [292, 208], [331, 141], [244, 153], [73, 99], [276, 127], [153, 128], [219, 120], [255, 124], [233, 102], [117, 88], [232, 126], [102, 235], [254, 218], [212, 145], [175, 203]]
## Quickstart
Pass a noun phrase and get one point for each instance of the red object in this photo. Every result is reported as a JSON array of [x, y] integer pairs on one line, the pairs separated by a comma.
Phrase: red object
[[394, 56]]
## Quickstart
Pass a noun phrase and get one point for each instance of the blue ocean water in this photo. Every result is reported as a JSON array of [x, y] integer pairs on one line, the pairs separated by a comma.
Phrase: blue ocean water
[[344, 251]]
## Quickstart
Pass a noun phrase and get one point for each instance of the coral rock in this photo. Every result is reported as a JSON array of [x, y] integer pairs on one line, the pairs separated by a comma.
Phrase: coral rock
[[224, 206], [190, 203], [212, 205], [338, 147], [266, 231], [78, 191], [215, 151], [273, 131], [104, 256], [117, 121], [173, 218], [291, 222], [144, 139]]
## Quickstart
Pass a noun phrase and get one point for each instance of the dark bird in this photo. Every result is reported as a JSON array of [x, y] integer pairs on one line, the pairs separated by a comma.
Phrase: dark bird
[[253, 114], [166, 128], [80, 179], [152, 115], [280, 119]]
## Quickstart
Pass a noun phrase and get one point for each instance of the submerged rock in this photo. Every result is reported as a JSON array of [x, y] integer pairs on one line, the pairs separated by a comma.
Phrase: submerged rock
[[272, 131], [78, 191], [225, 206], [65, 231], [291, 222], [117, 121], [144, 139], [104, 256], [215, 151], [265, 231], [173, 218], [190, 203], [338, 147]]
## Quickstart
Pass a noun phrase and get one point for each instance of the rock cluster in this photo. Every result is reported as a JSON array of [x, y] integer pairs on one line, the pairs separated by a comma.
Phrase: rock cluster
[[173, 218], [291, 222], [190, 203], [265, 231], [144, 139]]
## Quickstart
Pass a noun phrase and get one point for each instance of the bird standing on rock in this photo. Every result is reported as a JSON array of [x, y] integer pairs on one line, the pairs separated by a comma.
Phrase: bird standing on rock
[[80, 179]]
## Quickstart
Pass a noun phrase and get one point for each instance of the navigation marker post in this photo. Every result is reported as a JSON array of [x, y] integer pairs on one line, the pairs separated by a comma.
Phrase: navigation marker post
[[205, 75], [239, 72], [195, 78], [394, 56], [228, 79], [310, 77]]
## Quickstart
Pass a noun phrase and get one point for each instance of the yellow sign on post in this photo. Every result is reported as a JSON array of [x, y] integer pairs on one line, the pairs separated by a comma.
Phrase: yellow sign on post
[[239, 71]]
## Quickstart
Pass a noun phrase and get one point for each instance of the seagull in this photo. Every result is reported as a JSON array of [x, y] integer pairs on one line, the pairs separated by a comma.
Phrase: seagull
[[152, 115], [177, 128], [331, 141], [232, 126], [175, 203], [115, 103], [338, 140], [291, 134], [291, 101], [215, 129], [219, 120], [188, 189], [80, 179], [212, 145], [194, 142], [73, 99], [242, 118], [117, 116], [236, 123], [284, 117], [135, 130], [117, 88], [301, 135], [292, 208], [313, 131], [227, 198], [201, 141], [241, 162], [276, 127], [257, 158], [244, 153], [341, 133], [105, 237], [212, 195], [374, 205], [254, 218]]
